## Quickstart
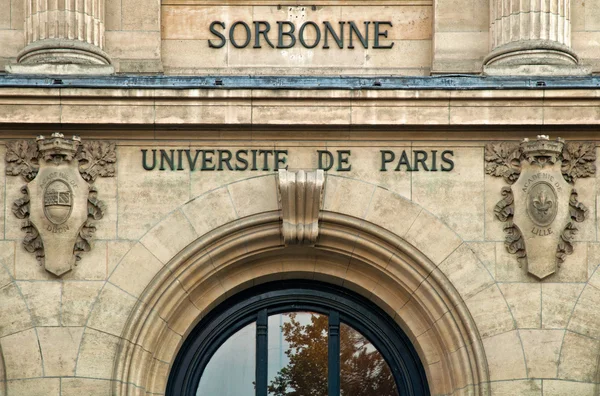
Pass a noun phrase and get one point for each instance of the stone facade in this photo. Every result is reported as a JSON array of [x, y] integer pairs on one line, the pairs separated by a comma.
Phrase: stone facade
[[409, 208]]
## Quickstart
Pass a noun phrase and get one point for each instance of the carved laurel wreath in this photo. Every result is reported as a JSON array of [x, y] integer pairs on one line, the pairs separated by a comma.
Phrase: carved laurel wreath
[[504, 160], [96, 158]]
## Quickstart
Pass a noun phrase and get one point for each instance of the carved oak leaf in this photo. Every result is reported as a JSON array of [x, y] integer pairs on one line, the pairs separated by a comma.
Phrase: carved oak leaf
[[578, 160], [97, 158], [503, 160], [22, 159]]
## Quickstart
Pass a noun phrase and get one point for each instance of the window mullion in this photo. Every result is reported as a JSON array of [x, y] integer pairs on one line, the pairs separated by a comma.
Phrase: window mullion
[[333, 353], [261, 353]]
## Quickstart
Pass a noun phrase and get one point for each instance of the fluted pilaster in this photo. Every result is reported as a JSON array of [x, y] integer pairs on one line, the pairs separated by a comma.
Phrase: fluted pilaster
[[67, 34], [531, 37]]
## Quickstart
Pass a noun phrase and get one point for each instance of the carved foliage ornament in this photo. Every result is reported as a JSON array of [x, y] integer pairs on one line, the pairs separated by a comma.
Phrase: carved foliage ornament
[[59, 205], [540, 208]]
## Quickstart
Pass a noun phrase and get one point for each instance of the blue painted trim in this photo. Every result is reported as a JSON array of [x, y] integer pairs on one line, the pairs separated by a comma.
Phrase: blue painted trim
[[442, 82]]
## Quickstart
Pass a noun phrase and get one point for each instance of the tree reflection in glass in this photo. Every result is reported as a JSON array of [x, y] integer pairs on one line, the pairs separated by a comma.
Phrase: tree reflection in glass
[[298, 359], [364, 371], [298, 354]]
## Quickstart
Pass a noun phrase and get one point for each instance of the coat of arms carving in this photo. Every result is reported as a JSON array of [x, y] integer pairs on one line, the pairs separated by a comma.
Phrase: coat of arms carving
[[540, 207], [59, 205]]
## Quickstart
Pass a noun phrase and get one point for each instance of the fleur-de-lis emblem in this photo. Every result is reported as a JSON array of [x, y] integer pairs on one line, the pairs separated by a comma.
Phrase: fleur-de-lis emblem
[[542, 203]]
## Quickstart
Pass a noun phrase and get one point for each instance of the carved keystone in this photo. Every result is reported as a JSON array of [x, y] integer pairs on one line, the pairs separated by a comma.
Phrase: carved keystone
[[58, 204], [301, 195], [540, 208]]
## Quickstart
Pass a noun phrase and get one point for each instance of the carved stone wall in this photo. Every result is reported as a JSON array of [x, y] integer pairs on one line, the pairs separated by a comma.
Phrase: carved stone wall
[[63, 37]]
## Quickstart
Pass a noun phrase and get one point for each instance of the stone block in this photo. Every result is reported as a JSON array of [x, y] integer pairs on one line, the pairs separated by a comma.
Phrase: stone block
[[112, 15], [80, 112], [435, 113], [410, 22], [459, 52], [3, 182], [133, 45], [59, 346], [22, 356], [7, 262], [392, 212], [140, 15], [578, 358], [585, 319], [192, 112], [17, 12], [406, 54], [27, 267], [347, 196], [85, 387], [462, 16], [169, 190], [11, 42], [181, 56], [517, 387], [466, 273], [593, 258], [111, 310], [245, 194], [116, 251], [505, 356], [486, 253], [92, 265], [43, 301], [421, 235], [490, 312], [569, 388], [210, 210], [34, 387], [456, 197], [301, 115], [525, 303], [169, 237], [14, 307], [78, 298], [97, 355], [558, 301], [542, 349]]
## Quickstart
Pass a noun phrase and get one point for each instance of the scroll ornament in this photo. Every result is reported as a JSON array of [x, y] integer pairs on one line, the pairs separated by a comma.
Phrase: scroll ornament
[[540, 208], [60, 204]]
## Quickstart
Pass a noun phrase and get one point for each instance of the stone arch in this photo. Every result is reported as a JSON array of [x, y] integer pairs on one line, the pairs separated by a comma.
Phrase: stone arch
[[417, 280]]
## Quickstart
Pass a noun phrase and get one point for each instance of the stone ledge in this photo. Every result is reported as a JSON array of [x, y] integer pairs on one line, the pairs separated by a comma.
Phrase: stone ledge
[[61, 70]]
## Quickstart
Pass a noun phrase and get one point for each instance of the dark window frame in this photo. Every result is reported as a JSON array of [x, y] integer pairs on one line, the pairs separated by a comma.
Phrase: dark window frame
[[257, 303]]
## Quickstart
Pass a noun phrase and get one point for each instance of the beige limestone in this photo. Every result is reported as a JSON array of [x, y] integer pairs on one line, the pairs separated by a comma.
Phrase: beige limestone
[[567, 388], [110, 310], [466, 272], [519, 387], [525, 303], [558, 301], [585, 319], [85, 387], [243, 195], [541, 348], [456, 197], [168, 238], [578, 358], [96, 355], [437, 250], [22, 356], [77, 299], [43, 301], [59, 346], [490, 312], [338, 198], [13, 306], [392, 212], [505, 356], [35, 387], [210, 211]]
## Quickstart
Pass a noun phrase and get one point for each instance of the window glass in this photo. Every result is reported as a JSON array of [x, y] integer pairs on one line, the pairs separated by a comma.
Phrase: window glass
[[298, 354], [231, 370], [364, 371]]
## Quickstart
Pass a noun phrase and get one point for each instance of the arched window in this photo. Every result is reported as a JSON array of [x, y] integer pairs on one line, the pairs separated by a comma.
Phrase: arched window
[[297, 339]]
